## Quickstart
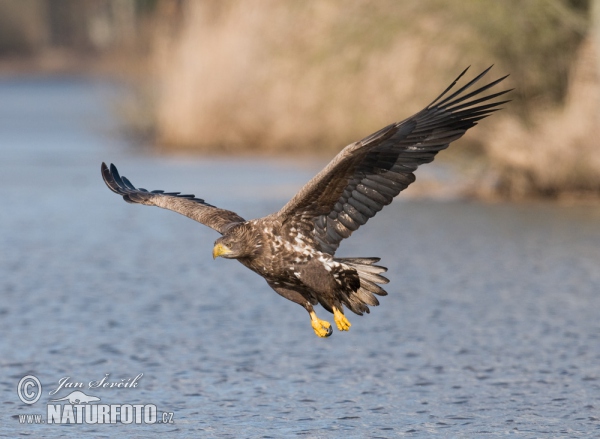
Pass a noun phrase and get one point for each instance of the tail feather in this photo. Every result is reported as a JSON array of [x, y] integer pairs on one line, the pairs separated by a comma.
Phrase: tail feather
[[373, 277], [360, 261], [367, 297], [369, 276]]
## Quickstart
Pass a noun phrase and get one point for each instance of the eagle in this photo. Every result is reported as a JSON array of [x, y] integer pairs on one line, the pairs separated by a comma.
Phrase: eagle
[[294, 248]]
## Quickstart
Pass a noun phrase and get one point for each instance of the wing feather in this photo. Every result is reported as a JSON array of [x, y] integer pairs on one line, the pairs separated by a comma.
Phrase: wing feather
[[366, 175], [195, 208]]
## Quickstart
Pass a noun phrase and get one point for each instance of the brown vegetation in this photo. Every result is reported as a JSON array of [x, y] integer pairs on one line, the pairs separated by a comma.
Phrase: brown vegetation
[[92, 37], [285, 75], [288, 76], [559, 153], [291, 76]]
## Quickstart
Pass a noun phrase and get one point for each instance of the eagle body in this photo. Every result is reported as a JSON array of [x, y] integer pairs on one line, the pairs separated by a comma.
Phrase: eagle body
[[294, 268], [294, 249]]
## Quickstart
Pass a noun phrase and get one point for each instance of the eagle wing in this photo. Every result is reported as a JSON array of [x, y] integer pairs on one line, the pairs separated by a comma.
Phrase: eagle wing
[[367, 175], [195, 208]]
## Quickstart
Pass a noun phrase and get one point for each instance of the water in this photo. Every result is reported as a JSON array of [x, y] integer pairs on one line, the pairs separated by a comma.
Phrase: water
[[490, 329]]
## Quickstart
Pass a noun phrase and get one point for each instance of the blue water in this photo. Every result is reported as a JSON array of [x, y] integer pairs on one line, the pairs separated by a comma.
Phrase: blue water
[[491, 327]]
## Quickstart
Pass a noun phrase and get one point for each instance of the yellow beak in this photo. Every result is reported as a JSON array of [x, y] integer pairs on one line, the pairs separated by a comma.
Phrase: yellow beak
[[220, 250]]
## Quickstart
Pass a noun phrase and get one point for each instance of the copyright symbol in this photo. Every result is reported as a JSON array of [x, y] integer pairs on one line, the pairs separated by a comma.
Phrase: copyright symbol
[[26, 394]]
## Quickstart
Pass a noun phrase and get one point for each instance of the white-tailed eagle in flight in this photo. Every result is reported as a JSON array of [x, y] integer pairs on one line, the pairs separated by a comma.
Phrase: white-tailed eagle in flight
[[294, 249]]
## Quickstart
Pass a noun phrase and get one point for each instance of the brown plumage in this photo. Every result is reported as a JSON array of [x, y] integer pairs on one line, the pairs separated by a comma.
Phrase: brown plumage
[[293, 249]]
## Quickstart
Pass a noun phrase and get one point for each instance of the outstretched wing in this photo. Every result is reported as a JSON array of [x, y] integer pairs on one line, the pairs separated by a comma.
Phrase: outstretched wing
[[195, 208], [367, 175]]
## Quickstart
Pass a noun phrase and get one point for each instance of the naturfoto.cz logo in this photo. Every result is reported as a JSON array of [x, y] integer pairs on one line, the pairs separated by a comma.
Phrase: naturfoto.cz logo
[[78, 407]]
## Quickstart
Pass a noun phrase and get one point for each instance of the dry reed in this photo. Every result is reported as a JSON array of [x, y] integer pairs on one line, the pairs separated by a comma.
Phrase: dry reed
[[273, 75], [560, 153], [292, 76]]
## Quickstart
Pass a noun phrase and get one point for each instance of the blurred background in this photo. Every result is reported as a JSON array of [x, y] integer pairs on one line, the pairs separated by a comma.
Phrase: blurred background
[[286, 77]]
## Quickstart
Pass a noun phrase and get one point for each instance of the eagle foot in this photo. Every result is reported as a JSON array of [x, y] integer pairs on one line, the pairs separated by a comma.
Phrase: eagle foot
[[322, 328], [340, 320]]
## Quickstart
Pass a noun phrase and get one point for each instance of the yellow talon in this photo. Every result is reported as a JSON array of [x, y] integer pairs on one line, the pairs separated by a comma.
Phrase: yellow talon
[[321, 327], [340, 320]]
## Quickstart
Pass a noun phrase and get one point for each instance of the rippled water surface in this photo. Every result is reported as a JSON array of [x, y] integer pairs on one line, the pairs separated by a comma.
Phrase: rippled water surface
[[491, 327]]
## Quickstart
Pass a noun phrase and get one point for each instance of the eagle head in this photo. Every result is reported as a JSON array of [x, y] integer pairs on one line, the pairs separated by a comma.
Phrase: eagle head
[[235, 244], [227, 248]]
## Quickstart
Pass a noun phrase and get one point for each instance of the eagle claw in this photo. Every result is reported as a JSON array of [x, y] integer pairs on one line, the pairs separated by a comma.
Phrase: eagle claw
[[322, 328], [340, 320], [343, 324]]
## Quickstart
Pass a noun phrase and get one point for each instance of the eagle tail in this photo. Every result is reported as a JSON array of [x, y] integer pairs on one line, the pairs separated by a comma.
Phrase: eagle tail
[[369, 275]]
